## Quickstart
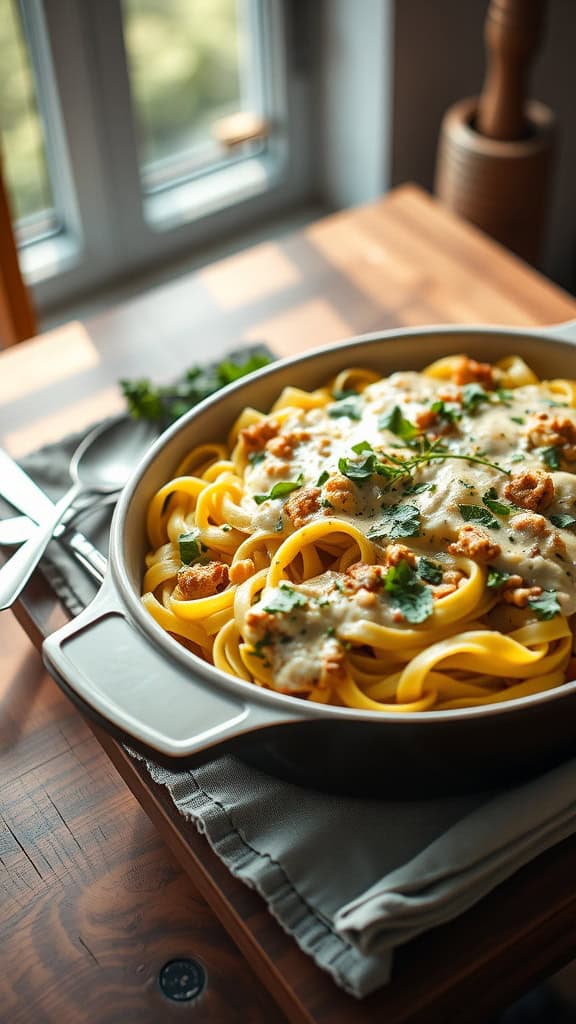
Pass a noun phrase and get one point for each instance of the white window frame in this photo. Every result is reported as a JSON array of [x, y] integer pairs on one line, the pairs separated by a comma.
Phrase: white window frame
[[111, 228]]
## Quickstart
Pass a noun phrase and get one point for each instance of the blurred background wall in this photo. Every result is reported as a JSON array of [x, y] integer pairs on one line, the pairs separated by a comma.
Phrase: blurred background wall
[[390, 75]]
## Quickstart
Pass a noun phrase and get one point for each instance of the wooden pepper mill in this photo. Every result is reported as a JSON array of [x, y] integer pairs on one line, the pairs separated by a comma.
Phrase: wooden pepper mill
[[495, 151]]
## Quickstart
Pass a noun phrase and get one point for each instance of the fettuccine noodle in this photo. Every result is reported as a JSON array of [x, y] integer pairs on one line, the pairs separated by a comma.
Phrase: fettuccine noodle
[[393, 544]]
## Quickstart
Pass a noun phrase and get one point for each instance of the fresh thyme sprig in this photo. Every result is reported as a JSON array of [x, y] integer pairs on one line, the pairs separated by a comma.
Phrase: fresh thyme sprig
[[395, 468], [416, 439], [465, 458]]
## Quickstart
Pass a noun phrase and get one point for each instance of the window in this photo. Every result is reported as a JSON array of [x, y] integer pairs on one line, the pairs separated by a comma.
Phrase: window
[[136, 130], [193, 69]]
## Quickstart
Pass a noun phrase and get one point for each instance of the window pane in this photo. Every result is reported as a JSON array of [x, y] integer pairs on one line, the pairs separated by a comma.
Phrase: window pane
[[189, 66], [21, 131]]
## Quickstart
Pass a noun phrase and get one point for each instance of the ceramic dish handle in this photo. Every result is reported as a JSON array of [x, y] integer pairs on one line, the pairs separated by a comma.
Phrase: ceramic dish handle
[[564, 332], [118, 671]]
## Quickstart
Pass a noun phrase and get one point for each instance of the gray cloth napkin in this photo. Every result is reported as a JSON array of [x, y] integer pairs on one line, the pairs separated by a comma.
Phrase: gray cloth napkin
[[350, 879]]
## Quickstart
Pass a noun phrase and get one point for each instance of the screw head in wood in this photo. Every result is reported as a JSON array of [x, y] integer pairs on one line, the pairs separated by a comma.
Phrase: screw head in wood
[[182, 980]]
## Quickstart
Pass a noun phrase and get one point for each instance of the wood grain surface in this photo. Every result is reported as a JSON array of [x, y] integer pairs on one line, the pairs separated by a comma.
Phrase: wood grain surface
[[403, 261], [93, 901]]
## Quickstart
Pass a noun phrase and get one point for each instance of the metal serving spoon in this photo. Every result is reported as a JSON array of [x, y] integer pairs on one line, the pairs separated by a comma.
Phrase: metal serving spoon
[[101, 464]]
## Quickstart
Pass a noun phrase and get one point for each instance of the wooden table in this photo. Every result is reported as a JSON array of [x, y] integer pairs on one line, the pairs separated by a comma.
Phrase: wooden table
[[99, 889]]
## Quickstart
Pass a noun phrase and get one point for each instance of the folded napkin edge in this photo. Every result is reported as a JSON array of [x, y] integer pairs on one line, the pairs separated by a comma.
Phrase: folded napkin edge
[[357, 974]]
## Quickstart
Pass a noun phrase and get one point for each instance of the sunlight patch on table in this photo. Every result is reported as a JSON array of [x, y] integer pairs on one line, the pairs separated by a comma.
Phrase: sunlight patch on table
[[71, 419], [250, 276], [369, 265], [306, 326], [56, 356]]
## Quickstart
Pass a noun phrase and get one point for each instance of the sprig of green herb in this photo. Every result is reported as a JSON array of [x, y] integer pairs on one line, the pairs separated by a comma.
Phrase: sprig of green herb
[[396, 468], [166, 404]]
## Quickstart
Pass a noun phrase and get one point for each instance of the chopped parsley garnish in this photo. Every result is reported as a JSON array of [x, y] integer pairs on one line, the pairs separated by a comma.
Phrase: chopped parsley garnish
[[280, 490], [499, 508], [518, 419], [398, 424], [473, 395], [477, 514], [496, 579], [350, 407], [505, 396], [518, 457], [451, 413], [166, 404], [255, 457], [412, 598], [324, 476], [418, 488], [551, 457], [364, 468], [258, 648], [338, 396], [190, 546], [429, 571], [563, 520], [396, 521], [545, 605], [285, 599], [355, 470]]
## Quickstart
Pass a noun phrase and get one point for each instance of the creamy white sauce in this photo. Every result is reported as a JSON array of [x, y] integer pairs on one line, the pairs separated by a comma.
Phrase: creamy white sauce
[[496, 431], [300, 639]]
